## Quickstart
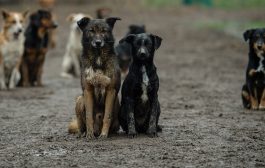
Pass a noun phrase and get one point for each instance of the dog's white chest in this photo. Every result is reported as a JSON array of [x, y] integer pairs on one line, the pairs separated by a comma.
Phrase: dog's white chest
[[96, 78], [145, 83], [11, 51]]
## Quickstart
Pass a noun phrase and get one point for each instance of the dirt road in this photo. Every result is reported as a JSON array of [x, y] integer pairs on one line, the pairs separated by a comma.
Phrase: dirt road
[[204, 125]]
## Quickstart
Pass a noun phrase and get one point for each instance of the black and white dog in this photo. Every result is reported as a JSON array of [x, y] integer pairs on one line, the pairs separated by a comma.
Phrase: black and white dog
[[140, 108]]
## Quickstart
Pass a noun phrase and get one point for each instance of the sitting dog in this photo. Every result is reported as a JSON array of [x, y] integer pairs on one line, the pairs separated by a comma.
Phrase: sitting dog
[[100, 79], [123, 49], [71, 60], [11, 48], [35, 48], [253, 91], [140, 108]]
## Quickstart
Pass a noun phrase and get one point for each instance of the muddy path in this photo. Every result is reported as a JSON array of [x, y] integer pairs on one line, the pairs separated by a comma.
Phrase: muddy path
[[204, 125]]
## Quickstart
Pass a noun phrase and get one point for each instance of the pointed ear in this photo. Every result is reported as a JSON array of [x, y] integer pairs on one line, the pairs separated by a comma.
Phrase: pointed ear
[[156, 41], [25, 14], [83, 23], [111, 21], [247, 34], [5, 14], [129, 39]]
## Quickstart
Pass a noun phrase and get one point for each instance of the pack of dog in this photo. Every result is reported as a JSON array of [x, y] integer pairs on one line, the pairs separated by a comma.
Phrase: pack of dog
[[253, 91], [123, 49], [35, 48], [11, 48]]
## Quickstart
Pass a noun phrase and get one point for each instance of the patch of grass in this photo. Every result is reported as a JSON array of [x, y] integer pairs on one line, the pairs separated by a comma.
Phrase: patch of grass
[[162, 3], [238, 4]]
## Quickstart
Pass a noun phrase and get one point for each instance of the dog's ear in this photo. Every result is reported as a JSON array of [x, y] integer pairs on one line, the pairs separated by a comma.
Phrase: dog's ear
[[156, 41], [25, 14], [70, 18], [247, 34], [35, 19], [129, 39], [5, 14], [83, 23], [111, 21]]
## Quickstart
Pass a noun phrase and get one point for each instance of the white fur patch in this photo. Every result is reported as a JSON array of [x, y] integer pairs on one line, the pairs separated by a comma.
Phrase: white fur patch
[[145, 83], [261, 58], [97, 78], [99, 61]]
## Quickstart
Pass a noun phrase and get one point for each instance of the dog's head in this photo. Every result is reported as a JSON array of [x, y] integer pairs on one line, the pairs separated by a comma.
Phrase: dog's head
[[13, 23], [74, 18], [43, 19], [143, 45], [136, 29], [256, 38], [97, 33]]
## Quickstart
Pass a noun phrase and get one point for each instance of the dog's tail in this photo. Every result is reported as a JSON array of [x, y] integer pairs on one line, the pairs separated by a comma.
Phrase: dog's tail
[[245, 97], [73, 127]]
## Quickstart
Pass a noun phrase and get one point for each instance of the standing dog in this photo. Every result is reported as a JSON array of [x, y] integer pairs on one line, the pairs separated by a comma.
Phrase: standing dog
[[71, 60], [253, 91], [123, 49], [36, 45], [140, 108], [100, 79], [11, 48]]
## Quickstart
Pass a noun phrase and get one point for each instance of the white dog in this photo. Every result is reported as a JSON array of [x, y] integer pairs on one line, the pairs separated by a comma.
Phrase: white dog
[[71, 60], [11, 48]]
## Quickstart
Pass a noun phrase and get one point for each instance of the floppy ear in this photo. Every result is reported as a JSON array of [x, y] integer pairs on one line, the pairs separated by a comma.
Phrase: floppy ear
[[129, 39], [156, 41], [5, 14], [25, 14], [34, 19], [112, 20], [83, 23], [247, 34]]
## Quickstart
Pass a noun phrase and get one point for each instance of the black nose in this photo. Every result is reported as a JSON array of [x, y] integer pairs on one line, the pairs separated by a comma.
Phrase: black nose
[[98, 43], [259, 47], [55, 25], [19, 30]]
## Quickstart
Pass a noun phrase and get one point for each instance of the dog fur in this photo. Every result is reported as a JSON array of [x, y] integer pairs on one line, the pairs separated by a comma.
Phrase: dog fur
[[253, 91], [36, 47], [71, 60], [123, 49], [140, 108], [11, 48], [100, 79]]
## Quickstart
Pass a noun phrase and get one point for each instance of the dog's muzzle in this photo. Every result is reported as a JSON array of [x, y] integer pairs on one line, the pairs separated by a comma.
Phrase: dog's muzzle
[[97, 43], [142, 53]]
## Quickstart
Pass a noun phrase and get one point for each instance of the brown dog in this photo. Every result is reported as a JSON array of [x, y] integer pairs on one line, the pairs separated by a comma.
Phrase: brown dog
[[97, 109], [35, 48]]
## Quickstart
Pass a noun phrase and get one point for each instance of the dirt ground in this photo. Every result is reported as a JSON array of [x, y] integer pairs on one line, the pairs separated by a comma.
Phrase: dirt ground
[[201, 73]]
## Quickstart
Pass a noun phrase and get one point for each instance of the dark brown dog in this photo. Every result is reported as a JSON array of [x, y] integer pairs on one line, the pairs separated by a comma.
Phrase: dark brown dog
[[97, 109], [35, 47]]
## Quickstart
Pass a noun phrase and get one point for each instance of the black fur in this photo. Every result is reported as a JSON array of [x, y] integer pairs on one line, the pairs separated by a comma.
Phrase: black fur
[[123, 49], [136, 115], [255, 78]]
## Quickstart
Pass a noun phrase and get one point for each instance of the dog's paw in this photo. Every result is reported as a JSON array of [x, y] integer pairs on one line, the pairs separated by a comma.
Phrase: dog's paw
[[3, 86], [90, 136], [261, 107], [152, 133], [103, 136], [132, 135]]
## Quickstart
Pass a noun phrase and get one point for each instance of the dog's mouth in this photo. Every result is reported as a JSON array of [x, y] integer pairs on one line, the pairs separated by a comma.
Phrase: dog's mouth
[[16, 35]]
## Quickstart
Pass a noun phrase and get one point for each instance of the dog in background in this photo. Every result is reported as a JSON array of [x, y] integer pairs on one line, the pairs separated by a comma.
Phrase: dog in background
[[71, 60], [123, 49], [100, 80], [11, 48], [140, 108], [35, 48], [253, 91], [103, 13]]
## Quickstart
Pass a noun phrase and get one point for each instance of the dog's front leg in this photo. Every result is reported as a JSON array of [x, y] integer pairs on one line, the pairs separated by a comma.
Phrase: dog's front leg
[[262, 101], [14, 79], [89, 102], [130, 118], [152, 127], [110, 97], [25, 75], [39, 74], [2, 75]]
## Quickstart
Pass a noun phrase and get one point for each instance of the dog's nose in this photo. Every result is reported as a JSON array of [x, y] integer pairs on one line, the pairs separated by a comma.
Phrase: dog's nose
[[55, 25], [98, 43], [19, 30], [259, 47]]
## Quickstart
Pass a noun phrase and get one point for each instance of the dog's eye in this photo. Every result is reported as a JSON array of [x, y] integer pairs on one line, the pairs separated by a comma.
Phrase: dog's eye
[[20, 21], [13, 22], [91, 30]]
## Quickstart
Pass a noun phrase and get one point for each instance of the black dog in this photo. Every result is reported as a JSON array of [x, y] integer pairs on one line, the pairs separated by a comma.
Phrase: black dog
[[123, 49], [140, 108], [253, 91]]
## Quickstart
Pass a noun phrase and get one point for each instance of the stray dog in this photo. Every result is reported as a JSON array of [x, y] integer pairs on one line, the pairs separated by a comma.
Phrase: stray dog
[[253, 91], [71, 60], [123, 49], [140, 108], [11, 48], [103, 13], [35, 49], [100, 79]]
